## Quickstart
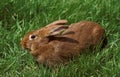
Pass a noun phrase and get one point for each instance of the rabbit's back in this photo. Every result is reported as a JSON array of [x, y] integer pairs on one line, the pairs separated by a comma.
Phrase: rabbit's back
[[78, 37]]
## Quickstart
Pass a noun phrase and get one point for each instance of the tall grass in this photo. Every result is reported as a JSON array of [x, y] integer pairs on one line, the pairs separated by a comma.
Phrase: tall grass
[[17, 17]]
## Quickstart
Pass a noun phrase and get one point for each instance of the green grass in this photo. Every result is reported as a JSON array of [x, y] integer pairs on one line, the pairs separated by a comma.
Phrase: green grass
[[17, 17]]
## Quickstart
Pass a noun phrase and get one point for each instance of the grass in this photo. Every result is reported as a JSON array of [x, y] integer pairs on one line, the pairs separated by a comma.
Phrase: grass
[[17, 17]]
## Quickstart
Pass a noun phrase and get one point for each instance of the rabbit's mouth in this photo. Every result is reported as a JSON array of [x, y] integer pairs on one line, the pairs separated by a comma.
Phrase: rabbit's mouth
[[28, 49]]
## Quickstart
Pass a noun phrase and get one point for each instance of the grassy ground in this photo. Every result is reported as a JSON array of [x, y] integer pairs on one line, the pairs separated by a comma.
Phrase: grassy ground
[[17, 17]]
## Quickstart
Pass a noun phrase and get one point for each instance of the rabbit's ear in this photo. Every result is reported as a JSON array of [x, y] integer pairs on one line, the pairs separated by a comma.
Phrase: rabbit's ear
[[58, 22], [58, 30]]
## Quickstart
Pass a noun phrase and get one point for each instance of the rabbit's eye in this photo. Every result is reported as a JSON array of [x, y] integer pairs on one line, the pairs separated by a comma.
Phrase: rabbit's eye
[[32, 37]]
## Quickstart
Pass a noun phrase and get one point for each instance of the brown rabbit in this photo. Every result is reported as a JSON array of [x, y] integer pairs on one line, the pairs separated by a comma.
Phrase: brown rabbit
[[57, 43], [30, 37]]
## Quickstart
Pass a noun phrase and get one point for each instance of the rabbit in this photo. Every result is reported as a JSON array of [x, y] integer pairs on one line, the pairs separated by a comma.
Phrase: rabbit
[[31, 36], [57, 43]]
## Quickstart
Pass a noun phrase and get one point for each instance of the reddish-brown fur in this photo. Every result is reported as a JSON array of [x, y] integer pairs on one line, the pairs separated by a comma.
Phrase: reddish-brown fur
[[52, 48]]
